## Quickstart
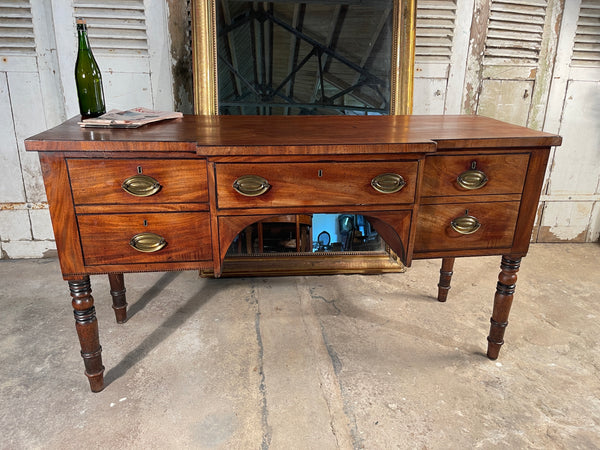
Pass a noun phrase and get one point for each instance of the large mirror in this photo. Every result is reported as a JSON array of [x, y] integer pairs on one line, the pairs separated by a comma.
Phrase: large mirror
[[313, 57]]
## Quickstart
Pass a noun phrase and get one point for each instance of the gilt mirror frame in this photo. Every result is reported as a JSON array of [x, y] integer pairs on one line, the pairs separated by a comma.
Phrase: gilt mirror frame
[[205, 87]]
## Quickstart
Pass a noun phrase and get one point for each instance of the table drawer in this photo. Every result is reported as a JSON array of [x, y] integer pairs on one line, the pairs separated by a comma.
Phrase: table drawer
[[317, 184], [101, 181], [108, 238], [474, 174], [496, 226]]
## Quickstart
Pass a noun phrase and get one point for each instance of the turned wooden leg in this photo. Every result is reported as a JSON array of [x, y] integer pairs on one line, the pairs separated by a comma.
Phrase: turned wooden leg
[[445, 278], [87, 330], [502, 303], [117, 291]]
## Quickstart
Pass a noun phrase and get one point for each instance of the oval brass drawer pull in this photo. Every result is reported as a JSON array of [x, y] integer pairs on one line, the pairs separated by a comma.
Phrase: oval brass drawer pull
[[141, 186], [465, 224], [147, 242], [472, 179], [388, 183], [251, 185]]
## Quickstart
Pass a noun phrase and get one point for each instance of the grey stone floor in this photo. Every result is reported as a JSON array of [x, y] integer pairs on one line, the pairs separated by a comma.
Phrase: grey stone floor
[[328, 362]]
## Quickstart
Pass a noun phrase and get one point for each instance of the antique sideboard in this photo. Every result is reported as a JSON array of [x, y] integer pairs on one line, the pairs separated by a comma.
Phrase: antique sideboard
[[173, 195]]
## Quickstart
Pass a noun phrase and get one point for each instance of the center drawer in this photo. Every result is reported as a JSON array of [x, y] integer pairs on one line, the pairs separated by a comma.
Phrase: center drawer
[[139, 181], [316, 184], [145, 238]]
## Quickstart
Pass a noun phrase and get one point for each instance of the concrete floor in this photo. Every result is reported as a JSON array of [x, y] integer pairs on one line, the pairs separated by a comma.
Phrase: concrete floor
[[328, 362]]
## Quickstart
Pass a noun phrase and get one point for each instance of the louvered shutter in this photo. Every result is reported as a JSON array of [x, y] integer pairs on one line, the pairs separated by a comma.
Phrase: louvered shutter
[[435, 55], [114, 26], [16, 28], [586, 49], [515, 32], [517, 60], [435, 30]]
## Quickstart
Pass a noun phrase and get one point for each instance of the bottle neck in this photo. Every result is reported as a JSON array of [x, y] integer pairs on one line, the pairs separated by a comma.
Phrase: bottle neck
[[82, 37]]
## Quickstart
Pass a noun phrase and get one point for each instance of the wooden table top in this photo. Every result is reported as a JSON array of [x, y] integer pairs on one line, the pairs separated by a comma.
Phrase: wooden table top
[[216, 135]]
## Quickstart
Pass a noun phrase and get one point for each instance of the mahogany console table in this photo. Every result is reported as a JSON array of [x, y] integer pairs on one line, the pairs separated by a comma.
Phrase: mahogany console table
[[173, 195]]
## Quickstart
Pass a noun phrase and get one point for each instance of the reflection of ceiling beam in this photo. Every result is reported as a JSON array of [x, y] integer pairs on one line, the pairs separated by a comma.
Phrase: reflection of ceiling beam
[[297, 23], [253, 46], [294, 71], [374, 37], [259, 19], [240, 78], [347, 88], [337, 18], [270, 50], [262, 49], [231, 46], [260, 64], [351, 88], [328, 51]]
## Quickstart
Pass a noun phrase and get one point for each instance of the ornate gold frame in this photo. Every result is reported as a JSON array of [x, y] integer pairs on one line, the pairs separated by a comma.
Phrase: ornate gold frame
[[204, 55]]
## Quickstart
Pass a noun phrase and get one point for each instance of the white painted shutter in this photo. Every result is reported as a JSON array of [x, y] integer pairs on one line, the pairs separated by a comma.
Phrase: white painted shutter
[[114, 26], [515, 32], [517, 60], [436, 20], [586, 49], [16, 28]]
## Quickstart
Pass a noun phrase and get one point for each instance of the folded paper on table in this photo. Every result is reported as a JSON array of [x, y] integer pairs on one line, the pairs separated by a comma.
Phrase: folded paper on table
[[131, 118]]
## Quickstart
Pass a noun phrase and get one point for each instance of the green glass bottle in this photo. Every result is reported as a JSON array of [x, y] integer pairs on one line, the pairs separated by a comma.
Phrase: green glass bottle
[[88, 77]]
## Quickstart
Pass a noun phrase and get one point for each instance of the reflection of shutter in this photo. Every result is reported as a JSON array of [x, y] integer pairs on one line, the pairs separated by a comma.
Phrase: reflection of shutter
[[515, 32], [16, 28], [586, 50], [435, 30], [115, 27]]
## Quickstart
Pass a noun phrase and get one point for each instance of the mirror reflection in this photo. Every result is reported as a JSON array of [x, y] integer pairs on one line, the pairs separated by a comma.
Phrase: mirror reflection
[[305, 233], [311, 57], [319, 57]]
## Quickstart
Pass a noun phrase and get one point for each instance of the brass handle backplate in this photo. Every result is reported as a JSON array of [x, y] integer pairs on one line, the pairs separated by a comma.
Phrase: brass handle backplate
[[147, 242], [388, 183], [472, 179], [251, 185], [141, 186], [466, 224]]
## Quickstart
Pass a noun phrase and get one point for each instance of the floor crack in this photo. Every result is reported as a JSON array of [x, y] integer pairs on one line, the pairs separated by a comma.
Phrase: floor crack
[[266, 429]]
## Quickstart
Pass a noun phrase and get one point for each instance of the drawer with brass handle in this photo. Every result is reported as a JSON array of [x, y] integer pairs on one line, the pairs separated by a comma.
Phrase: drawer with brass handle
[[126, 181], [145, 237], [474, 174], [466, 226], [241, 185]]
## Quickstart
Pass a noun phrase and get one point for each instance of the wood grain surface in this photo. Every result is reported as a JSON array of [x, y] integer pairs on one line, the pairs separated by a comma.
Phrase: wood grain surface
[[261, 135]]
